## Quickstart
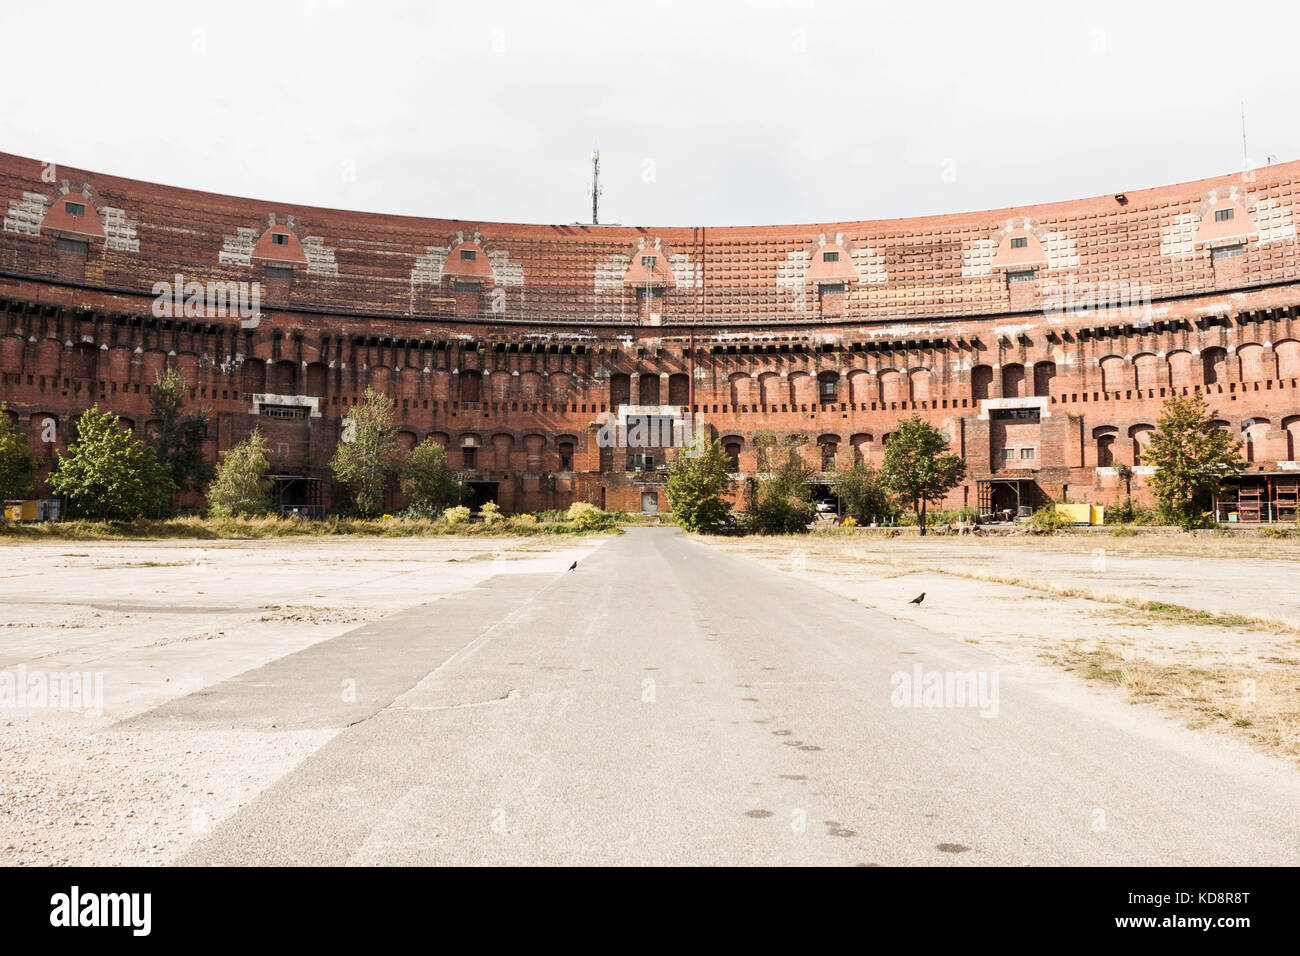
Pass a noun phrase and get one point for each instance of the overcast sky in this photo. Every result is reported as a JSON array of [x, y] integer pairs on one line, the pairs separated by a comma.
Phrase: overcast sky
[[705, 113]]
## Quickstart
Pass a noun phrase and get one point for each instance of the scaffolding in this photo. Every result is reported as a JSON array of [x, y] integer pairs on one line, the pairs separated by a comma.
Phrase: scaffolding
[[1260, 499], [1024, 489], [299, 495]]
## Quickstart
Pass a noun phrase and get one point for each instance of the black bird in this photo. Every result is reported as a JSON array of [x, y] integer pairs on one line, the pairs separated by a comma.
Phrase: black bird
[[575, 564], [918, 599]]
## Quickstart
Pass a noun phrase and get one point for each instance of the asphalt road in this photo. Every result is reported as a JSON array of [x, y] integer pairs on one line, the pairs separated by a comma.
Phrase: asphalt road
[[667, 703]]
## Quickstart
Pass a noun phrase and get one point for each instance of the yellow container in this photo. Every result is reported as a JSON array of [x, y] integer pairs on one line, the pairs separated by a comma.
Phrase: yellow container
[[30, 510]]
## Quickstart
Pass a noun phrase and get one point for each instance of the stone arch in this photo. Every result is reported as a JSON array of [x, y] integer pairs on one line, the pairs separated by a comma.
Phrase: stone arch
[[1253, 365], [620, 389], [502, 443], [679, 389], [741, 393], [1044, 375], [1214, 362], [920, 384], [893, 386], [1104, 437], [253, 377], [1287, 352], [1114, 377], [471, 385], [804, 388], [1180, 368], [1149, 372], [770, 387], [284, 378], [649, 388], [1139, 435], [1291, 425], [981, 382], [1013, 380], [860, 387], [316, 377]]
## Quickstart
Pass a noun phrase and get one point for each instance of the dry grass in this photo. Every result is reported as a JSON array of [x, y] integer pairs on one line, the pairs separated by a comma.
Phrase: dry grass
[[1260, 703], [271, 526]]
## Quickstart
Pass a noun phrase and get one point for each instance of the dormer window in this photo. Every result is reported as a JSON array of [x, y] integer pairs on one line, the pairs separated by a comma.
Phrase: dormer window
[[648, 262], [468, 255], [1223, 215], [74, 208], [830, 257], [279, 238], [1019, 242]]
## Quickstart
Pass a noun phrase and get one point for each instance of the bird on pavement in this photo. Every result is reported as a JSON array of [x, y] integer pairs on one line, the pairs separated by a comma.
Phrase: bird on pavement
[[918, 599], [573, 565]]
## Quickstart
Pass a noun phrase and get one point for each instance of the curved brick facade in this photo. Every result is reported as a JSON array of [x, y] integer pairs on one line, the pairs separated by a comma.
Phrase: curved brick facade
[[1043, 339]]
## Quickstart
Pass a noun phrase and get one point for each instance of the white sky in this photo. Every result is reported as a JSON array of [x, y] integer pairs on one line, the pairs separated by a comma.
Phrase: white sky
[[705, 113]]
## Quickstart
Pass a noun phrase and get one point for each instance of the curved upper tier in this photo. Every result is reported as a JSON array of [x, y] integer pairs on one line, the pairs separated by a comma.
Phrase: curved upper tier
[[69, 226]]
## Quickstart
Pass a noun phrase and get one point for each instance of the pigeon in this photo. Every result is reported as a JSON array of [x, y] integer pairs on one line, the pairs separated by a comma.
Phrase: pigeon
[[575, 564], [918, 599]]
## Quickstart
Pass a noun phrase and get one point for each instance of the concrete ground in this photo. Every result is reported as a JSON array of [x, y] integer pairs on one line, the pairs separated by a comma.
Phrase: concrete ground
[[667, 702]]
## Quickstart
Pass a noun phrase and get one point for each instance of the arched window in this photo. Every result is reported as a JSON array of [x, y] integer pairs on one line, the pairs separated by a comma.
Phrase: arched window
[[828, 387], [469, 385]]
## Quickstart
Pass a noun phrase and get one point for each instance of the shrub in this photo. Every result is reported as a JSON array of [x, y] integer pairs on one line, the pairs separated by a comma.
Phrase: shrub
[[368, 456], [587, 517], [1047, 518], [18, 466], [428, 480], [697, 488], [491, 514], [108, 474], [781, 504], [241, 486], [457, 515]]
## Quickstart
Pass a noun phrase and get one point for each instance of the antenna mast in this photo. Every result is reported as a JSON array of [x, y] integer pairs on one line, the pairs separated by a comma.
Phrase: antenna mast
[[1245, 159], [595, 187]]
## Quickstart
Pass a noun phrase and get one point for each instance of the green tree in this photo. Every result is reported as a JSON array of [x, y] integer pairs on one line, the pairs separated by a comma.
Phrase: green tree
[[368, 456], [107, 474], [428, 480], [918, 467], [782, 501], [242, 486], [1192, 456], [178, 440], [18, 466], [862, 494], [697, 487]]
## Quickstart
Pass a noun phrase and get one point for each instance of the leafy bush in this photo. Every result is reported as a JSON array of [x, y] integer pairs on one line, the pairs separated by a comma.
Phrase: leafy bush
[[864, 498], [1047, 518], [781, 504], [106, 473], [457, 515], [491, 513], [697, 487], [584, 516], [241, 486], [428, 480]]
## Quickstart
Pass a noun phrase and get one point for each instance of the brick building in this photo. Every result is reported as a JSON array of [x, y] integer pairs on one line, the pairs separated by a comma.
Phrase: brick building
[[1043, 339]]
